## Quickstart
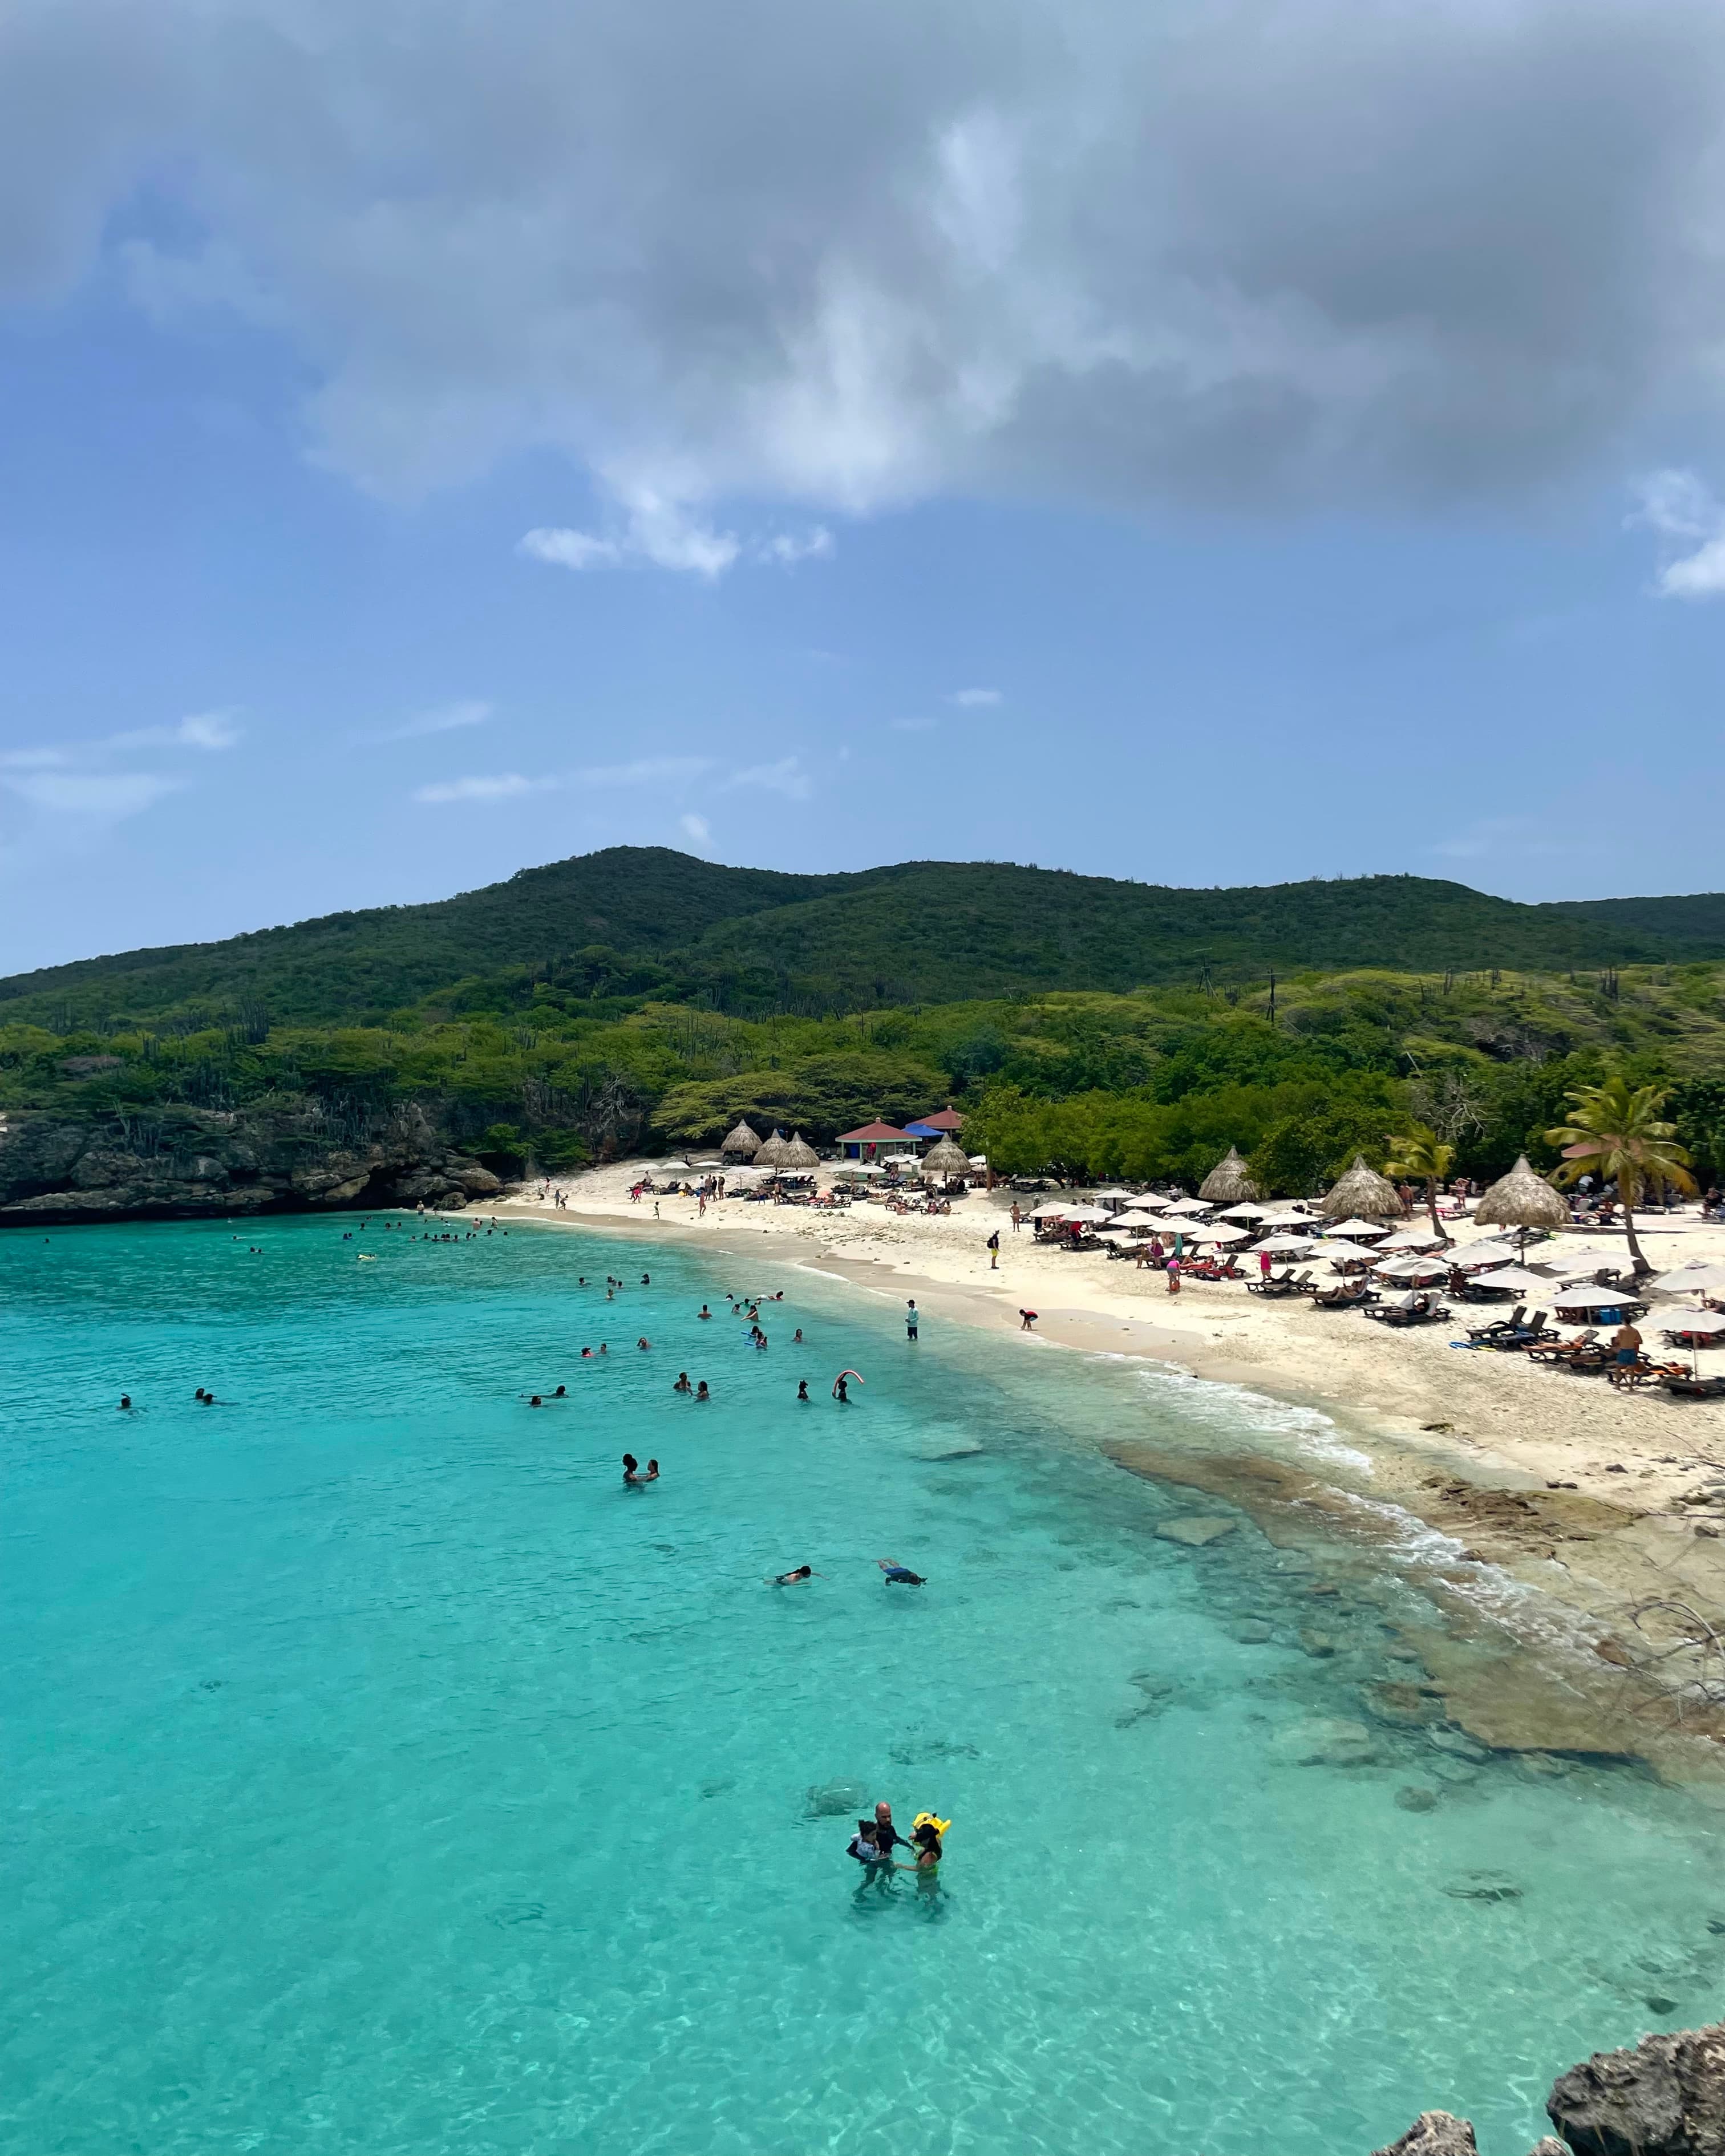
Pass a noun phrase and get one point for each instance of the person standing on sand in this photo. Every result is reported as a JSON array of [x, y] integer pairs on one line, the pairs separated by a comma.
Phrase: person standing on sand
[[1627, 1342], [1173, 1273], [994, 1251], [1017, 1218], [1027, 1319]]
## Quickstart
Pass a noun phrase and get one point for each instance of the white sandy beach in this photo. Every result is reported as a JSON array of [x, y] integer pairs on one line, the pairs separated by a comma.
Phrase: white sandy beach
[[1468, 1441]]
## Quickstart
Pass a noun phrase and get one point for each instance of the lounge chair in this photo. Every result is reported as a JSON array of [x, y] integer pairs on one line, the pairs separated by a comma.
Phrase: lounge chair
[[1560, 1351], [1348, 1294], [1683, 1387], [1419, 1310], [1630, 1377], [1519, 1336], [1483, 1334]]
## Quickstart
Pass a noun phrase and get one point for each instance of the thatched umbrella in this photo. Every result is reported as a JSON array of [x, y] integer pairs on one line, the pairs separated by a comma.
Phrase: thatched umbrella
[[1364, 1192], [945, 1158], [772, 1152], [1228, 1183], [799, 1156], [1521, 1200], [742, 1144]]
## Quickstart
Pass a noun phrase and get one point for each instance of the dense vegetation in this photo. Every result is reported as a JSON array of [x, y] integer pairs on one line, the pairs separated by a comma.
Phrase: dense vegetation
[[1150, 1083], [566, 940]]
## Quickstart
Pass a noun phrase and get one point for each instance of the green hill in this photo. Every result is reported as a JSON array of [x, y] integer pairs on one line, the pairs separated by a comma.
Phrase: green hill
[[639, 920]]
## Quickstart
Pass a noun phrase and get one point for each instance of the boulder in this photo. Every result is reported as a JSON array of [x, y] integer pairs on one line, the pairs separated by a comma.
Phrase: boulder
[[1414, 1799], [1435, 2133], [838, 1800], [1251, 1632], [1196, 1531], [1665, 2098], [1323, 1740], [1408, 1705]]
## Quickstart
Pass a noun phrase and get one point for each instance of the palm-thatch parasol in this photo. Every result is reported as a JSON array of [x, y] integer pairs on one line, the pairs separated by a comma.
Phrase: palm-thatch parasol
[[944, 1158], [742, 1144], [1229, 1183], [1521, 1200], [798, 1156], [772, 1152], [1363, 1193]]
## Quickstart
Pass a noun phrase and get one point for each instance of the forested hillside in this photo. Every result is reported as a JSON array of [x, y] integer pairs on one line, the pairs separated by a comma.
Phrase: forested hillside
[[637, 922]]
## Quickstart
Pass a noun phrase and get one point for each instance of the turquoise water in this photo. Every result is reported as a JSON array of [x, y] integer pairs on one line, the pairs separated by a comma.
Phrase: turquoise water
[[382, 1776]]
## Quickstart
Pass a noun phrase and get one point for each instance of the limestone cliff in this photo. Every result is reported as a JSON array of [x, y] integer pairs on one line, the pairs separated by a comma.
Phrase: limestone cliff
[[194, 1163]]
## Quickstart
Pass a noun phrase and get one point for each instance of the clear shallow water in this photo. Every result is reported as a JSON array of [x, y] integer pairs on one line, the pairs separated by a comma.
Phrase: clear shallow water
[[383, 1777]]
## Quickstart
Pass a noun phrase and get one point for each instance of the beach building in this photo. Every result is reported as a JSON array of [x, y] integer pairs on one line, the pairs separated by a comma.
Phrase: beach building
[[876, 1141], [945, 1123]]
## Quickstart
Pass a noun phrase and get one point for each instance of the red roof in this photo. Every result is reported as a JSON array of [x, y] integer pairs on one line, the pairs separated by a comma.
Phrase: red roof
[[872, 1133], [948, 1119]]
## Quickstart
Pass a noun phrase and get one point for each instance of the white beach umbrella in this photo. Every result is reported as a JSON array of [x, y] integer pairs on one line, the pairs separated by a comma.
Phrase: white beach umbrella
[[1513, 1280], [1412, 1238], [1186, 1205], [1277, 1244], [1219, 1234], [1488, 1251], [1697, 1279], [1408, 1268], [1592, 1298], [1246, 1210], [1287, 1217], [1708, 1324], [1052, 1213], [1088, 1215], [1357, 1228]]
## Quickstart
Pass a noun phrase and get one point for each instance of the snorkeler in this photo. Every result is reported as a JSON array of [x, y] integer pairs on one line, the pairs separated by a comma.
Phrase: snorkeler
[[900, 1574], [791, 1579]]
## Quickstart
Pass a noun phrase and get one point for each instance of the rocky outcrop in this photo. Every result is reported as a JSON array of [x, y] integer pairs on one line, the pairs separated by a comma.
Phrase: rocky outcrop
[[1665, 2098], [182, 1163]]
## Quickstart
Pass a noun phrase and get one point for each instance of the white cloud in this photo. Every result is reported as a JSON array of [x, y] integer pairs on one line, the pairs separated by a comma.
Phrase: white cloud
[[566, 549], [664, 532], [846, 257], [505, 786], [786, 776], [646, 771], [208, 730], [972, 700], [1678, 505], [446, 719], [100, 797], [695, 828]]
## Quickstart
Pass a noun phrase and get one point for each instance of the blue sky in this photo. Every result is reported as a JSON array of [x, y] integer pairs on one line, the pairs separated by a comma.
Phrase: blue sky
[[418, 464]]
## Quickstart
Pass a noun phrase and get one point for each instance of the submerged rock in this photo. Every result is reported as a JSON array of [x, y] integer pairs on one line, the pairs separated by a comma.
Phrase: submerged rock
[[1483, 1886], [1196, 1531], [836, 1799], [1435, 2133], [1404, 1704], [1414, 1799], [1252, 1632], [1324, 1740], [1458, 1744]]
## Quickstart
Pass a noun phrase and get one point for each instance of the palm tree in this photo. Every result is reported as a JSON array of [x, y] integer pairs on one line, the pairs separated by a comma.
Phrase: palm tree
[[1422, 1156], [1614, 1130]]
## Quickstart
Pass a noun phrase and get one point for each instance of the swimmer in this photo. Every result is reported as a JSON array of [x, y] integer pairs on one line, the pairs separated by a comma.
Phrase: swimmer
[[631, 1468], [585, 1353], [803, 1390], [701, 1393], [643, 1342], [841, 1386], [646, 1280], [703, 1312], [899, 1575], [535, 1402], [802, 1572], [603, 1349], [796, 1337], [652, 1470], [560, 1393], [125, 1402], [682, 1385], [926, 1839]]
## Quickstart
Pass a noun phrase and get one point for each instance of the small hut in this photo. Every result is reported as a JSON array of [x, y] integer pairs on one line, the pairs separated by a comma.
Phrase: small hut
[[1521, 1200], [946, 1159], [1364, 1194], [742, 1144], [799, 1157], [1229, 1183], [771, 1152]]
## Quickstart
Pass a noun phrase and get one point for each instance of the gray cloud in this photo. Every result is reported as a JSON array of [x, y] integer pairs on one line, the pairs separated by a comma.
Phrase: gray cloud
[[1284, 250]]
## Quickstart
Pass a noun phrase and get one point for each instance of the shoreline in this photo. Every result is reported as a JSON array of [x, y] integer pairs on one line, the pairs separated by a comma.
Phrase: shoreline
[[1465, 1446]]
